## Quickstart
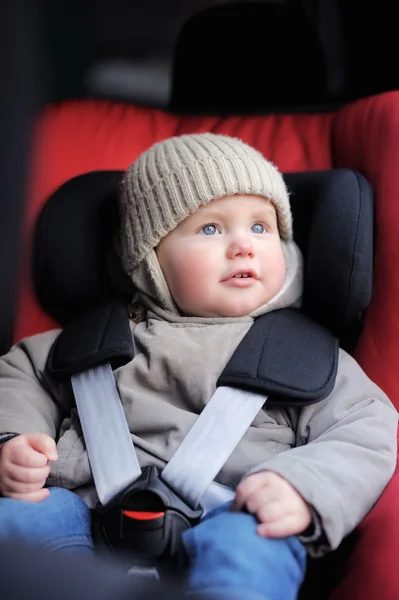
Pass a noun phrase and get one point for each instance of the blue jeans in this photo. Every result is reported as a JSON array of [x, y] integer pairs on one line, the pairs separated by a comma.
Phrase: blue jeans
[[60, 523], [228, 559]]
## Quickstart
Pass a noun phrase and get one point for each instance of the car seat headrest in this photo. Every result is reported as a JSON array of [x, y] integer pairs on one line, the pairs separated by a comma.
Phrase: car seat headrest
[[333, 226]]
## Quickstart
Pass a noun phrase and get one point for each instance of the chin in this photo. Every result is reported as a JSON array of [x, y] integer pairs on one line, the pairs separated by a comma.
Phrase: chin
[[227, 309], [246, 308], [238, 311]]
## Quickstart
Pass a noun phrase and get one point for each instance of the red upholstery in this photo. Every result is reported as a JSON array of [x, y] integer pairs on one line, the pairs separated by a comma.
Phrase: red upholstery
[[78, 137], [365, 137]]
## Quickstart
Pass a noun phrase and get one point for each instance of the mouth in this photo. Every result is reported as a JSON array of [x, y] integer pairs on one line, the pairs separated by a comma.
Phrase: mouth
[[241, 274], [242, 278]]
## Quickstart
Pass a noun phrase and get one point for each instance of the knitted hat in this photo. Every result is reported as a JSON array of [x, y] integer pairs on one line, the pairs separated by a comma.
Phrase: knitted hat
[[175, 177]]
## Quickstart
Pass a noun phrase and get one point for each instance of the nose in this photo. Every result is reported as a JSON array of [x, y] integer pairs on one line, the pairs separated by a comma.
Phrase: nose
[[240, 247]]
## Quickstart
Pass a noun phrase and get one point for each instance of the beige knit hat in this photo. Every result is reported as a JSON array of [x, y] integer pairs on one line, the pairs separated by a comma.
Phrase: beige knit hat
[[173, 178]]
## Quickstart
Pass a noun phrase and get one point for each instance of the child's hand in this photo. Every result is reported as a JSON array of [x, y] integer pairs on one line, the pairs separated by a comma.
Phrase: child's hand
[[24, 468], [280, 509]]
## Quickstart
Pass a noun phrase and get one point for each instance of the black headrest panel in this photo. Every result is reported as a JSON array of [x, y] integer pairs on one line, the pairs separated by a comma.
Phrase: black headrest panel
[[72, 240], [333, 225]]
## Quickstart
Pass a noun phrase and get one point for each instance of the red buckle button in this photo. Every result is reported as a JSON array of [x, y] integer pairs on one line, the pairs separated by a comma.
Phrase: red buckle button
[[143, 516]]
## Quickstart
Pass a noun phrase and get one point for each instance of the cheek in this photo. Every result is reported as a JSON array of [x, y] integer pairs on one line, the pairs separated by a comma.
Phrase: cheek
[[188, 277], [276, 268]]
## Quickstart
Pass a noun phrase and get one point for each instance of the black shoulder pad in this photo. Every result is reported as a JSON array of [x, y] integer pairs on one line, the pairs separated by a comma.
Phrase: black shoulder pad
[[287, 356], [99, 335]]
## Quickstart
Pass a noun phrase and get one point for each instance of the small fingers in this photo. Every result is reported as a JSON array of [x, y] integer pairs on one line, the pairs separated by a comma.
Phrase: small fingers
[[261, 500], [36, 496], [281, 527], [25, 456], [247, 488], [44, 444], [26, 475], [270, 511], [9, 486]]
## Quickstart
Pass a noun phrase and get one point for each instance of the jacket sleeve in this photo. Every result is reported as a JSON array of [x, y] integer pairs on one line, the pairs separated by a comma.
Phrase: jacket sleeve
[[345, 453], [29, 401]]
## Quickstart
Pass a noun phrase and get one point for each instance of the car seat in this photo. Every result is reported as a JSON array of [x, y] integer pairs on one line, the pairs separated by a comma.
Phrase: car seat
[[333, 223], [77, 137]]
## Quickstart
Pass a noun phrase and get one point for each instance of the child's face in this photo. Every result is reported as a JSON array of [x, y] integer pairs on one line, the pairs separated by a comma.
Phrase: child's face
[[226, 259]]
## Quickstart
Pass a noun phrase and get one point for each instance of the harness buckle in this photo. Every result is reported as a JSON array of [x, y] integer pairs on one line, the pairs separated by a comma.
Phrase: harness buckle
[[147, 519]]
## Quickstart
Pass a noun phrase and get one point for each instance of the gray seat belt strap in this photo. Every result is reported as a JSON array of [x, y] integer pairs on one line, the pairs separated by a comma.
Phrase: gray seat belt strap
[[111, 452], [210, 441], [196, 462]]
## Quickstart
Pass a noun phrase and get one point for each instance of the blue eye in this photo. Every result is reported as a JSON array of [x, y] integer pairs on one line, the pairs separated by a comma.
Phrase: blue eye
[[257, 228], [209, 229]]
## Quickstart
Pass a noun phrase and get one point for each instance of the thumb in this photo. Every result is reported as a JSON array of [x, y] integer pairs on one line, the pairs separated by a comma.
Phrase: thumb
[[43, 443]]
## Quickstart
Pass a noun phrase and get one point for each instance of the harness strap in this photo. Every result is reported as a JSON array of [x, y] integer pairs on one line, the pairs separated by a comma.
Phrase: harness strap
[[112, 456], [196, 462], [210, 441]]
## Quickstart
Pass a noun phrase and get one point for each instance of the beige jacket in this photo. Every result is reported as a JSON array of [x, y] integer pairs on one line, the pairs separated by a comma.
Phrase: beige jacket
[[339, 453]]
